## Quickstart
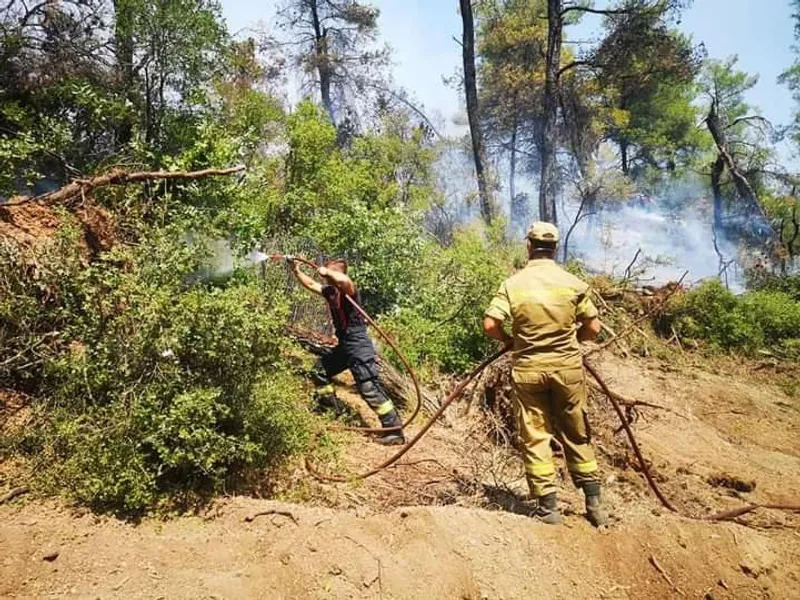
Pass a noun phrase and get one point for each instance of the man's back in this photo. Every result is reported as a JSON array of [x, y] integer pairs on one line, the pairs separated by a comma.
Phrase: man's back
[[544, 302]]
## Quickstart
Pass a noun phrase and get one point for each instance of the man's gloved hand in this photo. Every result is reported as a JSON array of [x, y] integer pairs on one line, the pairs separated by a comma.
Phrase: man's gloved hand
[[289, 258]]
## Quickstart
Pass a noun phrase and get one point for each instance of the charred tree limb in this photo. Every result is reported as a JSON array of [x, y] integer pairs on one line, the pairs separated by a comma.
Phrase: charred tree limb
[[81, 187], [743, 186], [717, 169]]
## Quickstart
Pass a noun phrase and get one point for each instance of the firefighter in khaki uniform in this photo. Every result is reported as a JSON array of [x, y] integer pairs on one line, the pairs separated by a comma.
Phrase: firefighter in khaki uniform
[[550, 312]]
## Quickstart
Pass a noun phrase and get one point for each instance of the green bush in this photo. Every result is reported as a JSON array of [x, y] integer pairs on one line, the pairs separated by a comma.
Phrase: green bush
[[747, 323], [148, 385], [441, 325], [762, 280]]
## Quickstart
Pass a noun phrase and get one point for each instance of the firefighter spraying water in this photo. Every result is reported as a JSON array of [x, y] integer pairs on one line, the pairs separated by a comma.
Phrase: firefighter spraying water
[[354, 350]]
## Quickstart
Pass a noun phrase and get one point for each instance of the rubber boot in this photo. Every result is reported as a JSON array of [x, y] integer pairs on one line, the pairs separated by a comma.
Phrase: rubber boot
[[547, 509], [327, 402], [392, 438], [595, 511]]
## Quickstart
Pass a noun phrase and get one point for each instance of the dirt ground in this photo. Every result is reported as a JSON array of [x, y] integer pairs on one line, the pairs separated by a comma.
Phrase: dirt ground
[[450, 521]]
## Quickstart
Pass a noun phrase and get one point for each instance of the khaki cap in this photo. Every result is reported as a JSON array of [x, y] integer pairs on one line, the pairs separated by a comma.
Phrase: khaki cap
[[543, 232]]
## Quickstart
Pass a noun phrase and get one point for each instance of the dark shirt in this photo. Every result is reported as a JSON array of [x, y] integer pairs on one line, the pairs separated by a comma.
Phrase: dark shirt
[[344, 315]]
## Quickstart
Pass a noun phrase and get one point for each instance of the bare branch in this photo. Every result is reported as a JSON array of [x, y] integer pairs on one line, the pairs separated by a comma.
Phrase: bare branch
[[405, 101], [574, 64], [116, 177], [594, 11], [765, 122]]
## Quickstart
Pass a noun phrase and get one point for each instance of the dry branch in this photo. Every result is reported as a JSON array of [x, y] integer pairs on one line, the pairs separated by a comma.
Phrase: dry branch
[[641, 319], [282, 513], [629, 402], [81, 187], [666, 577], [18, 491]]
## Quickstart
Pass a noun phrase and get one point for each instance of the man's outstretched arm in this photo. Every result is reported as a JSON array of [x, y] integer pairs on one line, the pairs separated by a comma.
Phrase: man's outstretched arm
[[306, 281]]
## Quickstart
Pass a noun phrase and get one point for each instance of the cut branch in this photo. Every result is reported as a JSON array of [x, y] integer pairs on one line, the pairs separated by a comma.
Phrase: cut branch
[[81, 187]]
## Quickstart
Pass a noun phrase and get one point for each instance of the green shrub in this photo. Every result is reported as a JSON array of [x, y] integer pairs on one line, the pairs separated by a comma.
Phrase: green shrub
[[746, 323], [762, 280], [148, 386], [775, 313], [441, 325]]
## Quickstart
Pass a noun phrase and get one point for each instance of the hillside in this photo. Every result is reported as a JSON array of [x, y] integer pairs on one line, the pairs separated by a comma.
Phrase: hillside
[[420, 530]]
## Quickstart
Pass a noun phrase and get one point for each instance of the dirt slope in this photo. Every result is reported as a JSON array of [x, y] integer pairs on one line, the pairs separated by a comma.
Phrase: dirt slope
[[443, 552], [727, 438]]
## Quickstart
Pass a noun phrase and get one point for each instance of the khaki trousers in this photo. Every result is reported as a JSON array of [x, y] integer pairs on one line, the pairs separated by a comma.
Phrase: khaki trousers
[[549, 404]]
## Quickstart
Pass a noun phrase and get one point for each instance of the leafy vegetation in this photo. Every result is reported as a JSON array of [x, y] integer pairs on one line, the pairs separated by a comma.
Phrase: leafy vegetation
[[764, 320], [152, 375], [148, 383]]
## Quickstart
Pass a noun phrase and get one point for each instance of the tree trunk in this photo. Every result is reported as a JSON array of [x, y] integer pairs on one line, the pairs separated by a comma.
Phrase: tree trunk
[[717, 169], [623, 150], [548, 183], [471, 89], [743, 186], [513, 166], [322, 61], [123, 50]]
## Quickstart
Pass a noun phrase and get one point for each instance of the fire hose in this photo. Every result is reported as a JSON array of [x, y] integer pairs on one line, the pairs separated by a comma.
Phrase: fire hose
[[720, 516], [459, 389]]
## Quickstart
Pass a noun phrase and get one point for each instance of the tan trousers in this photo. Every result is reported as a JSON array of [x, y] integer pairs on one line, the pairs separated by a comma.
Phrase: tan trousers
[[551, 404]]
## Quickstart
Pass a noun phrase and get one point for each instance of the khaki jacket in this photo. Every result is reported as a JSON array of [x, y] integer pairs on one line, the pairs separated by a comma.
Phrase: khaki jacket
[[544, 303]]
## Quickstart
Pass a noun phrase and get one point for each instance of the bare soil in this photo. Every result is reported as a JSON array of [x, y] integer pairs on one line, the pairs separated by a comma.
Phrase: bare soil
[[31, 223], [451, 520]]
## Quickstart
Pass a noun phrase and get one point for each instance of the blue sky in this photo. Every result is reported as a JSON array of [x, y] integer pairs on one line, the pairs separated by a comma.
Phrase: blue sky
[[421, 32]]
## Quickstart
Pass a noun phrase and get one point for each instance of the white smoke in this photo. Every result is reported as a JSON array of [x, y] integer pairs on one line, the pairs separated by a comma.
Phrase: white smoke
[[672, 234]]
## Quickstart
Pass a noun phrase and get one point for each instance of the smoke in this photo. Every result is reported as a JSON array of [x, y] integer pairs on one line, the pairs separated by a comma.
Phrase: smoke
[[666, 244], [668, 235], [668, 232]]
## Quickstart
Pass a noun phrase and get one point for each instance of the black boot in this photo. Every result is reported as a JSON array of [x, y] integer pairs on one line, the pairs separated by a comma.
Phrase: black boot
[[327, 401], [595, 511], [547, 509], [392, 438]]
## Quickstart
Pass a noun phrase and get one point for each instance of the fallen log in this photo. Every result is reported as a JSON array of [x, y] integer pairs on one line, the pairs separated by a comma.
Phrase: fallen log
[[82, 187]]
